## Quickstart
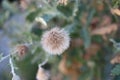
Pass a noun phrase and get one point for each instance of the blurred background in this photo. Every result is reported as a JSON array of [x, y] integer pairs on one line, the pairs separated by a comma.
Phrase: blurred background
[[94, 27]]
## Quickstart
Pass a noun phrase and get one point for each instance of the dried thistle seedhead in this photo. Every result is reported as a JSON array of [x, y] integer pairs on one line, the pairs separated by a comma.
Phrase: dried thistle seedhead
[[22, 50], [42, 74], [55, 41], [64, 2], [115, 59]]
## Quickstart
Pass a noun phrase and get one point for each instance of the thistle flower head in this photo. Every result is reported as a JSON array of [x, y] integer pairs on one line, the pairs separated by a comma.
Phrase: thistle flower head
[[55, 41]]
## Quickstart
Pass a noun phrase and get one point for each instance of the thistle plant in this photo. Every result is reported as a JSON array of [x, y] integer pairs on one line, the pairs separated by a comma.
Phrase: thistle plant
[[72, 36]]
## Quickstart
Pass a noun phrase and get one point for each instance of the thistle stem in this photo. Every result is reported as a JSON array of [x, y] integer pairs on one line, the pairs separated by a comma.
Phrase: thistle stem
[[44, 62]]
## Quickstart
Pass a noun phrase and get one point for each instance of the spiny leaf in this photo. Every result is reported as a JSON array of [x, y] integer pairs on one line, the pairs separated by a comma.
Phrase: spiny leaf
[[85, 32], [116, 70], [32, 15], [115, 3]]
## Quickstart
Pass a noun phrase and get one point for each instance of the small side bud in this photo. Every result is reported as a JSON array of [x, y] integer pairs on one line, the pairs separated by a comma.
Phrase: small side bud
[[21, 51]]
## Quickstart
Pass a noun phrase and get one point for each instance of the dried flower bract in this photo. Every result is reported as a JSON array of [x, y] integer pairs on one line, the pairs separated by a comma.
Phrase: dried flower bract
[[22, 50], [42, 74]]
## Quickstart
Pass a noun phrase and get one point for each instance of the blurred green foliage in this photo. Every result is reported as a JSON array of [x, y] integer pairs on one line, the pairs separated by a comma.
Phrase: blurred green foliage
[[116, 3]]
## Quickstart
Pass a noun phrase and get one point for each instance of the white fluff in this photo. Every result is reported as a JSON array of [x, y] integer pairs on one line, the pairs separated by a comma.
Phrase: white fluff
[[55, 41]]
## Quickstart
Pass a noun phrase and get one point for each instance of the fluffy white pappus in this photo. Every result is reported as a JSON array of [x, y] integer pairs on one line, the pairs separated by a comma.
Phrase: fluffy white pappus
[[42, 74], [55, 41]]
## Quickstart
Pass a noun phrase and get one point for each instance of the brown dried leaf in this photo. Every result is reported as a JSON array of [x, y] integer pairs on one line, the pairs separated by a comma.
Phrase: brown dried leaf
[[71, 70], [115, 11], [106, 20], [91, 51], [105, 30], [100, 22], [76, 42]]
